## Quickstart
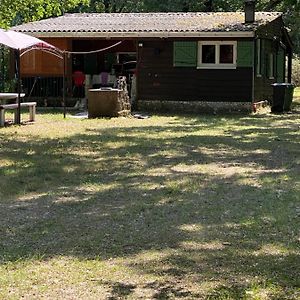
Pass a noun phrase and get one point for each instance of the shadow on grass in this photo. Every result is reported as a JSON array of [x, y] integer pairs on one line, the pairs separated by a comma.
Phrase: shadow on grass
[[227, 203]]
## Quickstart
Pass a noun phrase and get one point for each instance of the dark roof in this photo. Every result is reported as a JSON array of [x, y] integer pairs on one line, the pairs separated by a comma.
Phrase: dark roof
[[147, 24]]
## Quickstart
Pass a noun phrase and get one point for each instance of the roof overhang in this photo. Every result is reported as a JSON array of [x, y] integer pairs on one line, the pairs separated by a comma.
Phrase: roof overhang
[[288, 39], [124, 35]]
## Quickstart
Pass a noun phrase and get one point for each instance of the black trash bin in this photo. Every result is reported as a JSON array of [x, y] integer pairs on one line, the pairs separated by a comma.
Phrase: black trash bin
[[282, 97]]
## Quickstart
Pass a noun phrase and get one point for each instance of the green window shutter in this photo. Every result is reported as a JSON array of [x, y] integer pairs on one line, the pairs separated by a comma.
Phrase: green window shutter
[[245, 52], [185, 54], [267, 64], [263, 57], [280, 66]]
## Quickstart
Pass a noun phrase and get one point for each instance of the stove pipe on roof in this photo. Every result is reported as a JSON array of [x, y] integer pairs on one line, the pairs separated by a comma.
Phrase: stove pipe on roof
[[250, 11]]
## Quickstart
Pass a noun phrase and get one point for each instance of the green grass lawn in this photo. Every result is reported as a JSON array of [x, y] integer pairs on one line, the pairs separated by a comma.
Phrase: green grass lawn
[[297, 93], [170, 207]]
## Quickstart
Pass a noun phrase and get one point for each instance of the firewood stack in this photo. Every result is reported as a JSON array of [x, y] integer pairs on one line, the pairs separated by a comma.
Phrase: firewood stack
[[123, 106]]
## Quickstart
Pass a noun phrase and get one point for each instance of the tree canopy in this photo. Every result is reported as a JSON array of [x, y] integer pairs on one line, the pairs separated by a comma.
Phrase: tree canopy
[[21, 11]]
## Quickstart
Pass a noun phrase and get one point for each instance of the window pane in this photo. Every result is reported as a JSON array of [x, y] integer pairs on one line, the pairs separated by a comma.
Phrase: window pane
[[226, 54], [208, 54]]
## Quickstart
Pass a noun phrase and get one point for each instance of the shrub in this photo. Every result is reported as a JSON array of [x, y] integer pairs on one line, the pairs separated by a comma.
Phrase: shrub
[[296, 71]]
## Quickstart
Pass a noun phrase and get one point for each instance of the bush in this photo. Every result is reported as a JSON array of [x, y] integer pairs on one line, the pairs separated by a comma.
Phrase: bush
[[296, 71], [7, 84]]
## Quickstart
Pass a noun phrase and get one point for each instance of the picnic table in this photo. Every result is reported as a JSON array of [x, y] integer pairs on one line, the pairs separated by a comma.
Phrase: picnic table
[[4, 97], [8, 96]]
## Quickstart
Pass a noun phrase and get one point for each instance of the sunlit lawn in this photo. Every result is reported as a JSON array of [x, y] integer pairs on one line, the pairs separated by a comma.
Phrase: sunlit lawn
[[170, 207], [297, 92]]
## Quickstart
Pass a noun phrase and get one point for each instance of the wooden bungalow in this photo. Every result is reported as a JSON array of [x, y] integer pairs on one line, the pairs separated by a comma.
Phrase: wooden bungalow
[[227, 57]]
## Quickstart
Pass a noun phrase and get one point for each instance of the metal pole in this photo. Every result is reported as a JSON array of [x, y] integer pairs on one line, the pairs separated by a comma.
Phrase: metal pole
[[18, 116], [64, 83], [2, 70]]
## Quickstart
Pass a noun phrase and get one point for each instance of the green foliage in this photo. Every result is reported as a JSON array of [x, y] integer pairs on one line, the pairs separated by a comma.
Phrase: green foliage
[[7, 82], [21, 11], [112, 6], [296, 71]]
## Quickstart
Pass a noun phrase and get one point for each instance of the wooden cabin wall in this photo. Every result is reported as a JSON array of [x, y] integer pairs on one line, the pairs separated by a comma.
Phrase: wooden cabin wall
[[96, 63], [263, 82], [159, 80], [270, 36], [39, 63]]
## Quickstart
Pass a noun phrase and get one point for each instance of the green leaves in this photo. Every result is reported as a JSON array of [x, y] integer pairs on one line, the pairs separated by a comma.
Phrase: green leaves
[[21, 11]]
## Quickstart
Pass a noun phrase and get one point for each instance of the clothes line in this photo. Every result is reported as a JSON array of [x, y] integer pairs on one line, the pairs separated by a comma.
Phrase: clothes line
[[63, 54], [95, 51], [59, 53]]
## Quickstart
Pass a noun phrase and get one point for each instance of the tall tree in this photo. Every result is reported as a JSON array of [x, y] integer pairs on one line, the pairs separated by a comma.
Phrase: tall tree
[[20, 11]]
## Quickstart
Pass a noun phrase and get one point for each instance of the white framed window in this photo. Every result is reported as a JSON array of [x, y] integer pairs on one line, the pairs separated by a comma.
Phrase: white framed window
[[217, 54], [258, 58]]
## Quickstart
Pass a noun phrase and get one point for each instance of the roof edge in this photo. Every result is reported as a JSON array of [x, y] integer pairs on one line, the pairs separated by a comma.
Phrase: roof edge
[[112, 35]]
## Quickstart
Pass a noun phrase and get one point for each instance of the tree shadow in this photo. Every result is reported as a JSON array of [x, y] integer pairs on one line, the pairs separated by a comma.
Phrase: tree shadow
[[121, 290], [117, 192]]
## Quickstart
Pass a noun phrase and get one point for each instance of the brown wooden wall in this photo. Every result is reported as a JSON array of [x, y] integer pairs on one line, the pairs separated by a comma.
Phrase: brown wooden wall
[[158, 79], [39, 63]]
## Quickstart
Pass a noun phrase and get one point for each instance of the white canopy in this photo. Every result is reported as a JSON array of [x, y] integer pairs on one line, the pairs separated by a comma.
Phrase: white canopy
[[20, 41]]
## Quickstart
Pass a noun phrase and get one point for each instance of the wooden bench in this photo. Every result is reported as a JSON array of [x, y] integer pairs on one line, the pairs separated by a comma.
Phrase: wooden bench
[[14, 106]]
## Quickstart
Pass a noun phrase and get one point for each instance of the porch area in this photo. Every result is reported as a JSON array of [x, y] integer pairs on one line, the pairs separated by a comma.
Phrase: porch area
[[89, 64]]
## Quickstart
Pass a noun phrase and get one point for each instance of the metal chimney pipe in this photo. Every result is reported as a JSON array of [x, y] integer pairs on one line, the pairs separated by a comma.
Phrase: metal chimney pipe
[[250, 11]]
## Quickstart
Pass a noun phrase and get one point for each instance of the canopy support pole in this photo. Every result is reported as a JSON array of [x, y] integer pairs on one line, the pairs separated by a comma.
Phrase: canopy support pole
[[2, 70], [18, 116], [64, 83]]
